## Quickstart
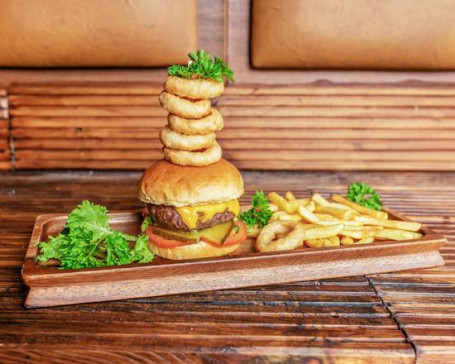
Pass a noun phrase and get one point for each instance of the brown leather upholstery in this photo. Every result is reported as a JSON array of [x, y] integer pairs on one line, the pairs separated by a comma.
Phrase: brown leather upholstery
[[93, 33], [358, 34]]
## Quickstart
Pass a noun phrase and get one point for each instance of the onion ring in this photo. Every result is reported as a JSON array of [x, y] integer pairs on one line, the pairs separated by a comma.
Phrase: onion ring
[[197, 159], [172, 139], [183, 107], [195, 89], [292, 234], [207, 124]]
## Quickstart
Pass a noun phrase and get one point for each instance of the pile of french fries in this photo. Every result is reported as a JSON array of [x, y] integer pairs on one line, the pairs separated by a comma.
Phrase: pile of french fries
[[337, 222]]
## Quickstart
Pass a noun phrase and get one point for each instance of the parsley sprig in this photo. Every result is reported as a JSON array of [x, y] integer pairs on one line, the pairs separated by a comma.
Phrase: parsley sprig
[[88, 241], [364, 195], [202, 65], [259, 213]]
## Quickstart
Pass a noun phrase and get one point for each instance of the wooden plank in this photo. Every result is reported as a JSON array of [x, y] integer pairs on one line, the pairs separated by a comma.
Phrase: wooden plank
[[319, 165], [331, 101], [398, 90], [87, 88], [250, 155], [241, 111], [243, 144], [293, 111], [233, 100], [77, 111], [83, 100], [246, 134], [242, 122]]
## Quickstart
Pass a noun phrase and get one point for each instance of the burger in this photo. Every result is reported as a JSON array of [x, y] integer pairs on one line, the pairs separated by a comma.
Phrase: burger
[[194, 209]]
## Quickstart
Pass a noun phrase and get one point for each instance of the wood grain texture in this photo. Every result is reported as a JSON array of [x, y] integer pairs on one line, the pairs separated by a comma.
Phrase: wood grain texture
[[318, 127], [332, 321]]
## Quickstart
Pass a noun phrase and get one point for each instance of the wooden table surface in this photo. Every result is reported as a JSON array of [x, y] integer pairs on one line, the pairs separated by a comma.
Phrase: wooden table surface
[[402, 317]]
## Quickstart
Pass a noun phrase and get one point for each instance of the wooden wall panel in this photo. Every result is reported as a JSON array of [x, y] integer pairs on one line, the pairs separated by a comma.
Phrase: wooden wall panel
[[284, 128], [5, 155]]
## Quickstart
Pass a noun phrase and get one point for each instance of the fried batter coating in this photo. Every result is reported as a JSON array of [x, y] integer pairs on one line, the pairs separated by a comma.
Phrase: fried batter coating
[[183, 107], [207, 124], [194, 89]]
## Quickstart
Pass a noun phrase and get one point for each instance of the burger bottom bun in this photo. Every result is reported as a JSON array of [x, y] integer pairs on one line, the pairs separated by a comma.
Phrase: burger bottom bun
[[192, 251]]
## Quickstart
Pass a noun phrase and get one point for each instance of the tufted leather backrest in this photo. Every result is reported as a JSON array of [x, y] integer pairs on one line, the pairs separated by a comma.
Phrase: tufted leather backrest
[[354, 34], [96, 33]]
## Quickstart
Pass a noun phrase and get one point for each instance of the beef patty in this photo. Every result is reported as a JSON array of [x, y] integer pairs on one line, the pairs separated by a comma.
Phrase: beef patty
[[167, 216]]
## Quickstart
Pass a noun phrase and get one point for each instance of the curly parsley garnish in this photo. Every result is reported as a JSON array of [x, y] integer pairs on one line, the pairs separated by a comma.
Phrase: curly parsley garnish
[[364, 195], [88, 241], [259, 213], [203, 65]]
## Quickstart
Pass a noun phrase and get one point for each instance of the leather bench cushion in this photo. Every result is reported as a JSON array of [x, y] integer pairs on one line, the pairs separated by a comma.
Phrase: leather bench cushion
[[96, 33], [353, 34]]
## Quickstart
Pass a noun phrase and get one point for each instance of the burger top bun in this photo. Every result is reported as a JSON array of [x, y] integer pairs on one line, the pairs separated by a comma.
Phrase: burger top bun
[[164, 183], [192, 251]]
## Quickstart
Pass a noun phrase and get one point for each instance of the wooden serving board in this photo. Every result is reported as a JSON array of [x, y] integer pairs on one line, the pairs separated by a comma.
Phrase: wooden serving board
[[50, 286]]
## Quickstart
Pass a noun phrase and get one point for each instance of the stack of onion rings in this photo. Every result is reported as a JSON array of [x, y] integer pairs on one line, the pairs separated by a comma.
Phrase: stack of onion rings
[[189, 137]]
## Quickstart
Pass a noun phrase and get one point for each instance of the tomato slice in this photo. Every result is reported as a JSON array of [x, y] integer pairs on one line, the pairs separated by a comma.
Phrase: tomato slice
[[234, 238], [161, 242]]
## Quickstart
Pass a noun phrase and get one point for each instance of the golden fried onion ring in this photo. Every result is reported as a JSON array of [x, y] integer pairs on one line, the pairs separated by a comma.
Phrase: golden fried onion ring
[[194, 89], [197, 159], [207, 124], [172, 139], [183, 107], [291, 236]]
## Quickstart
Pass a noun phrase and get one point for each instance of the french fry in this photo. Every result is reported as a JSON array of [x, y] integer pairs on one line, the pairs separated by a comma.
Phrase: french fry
[[400, 225], [365, 240], [344, 207], [394, 234], [334, 211], [320, 200], [307, 215], [363, 210], [322, 243], [335, 240], [346, 240], [352, 225], [283, 216], [289, 196], [311, 206], [273, 207], [304, 201], [281, 202], [320, 232], [361, 234]]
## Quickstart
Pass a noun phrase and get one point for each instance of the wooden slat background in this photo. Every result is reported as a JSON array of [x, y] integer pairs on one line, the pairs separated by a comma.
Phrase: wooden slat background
[[116, 126], [387, 318], [5, 155]]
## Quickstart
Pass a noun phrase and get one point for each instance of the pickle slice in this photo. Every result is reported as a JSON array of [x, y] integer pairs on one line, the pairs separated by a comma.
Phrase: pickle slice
[[185, 236], [217, 233]]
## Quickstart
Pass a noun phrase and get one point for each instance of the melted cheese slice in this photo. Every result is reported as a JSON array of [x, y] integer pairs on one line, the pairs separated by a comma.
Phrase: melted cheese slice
[[192, 214]]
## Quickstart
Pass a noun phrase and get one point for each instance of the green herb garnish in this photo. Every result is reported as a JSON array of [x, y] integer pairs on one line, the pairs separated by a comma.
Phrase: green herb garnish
[[88, 241], [364, 195], [149, 220], [202, 65], [259, 213]]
